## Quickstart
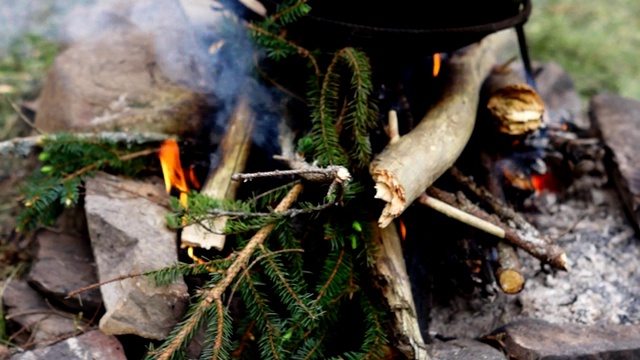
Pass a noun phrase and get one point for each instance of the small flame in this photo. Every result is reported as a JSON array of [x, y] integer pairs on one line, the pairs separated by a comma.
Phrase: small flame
[[174, 178], [193, 179], [403, 230], [436, 64], [172, 169]]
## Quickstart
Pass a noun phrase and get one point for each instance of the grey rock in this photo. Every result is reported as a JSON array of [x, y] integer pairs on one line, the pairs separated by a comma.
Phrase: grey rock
[[64, 263], [116, 79], [618, 122], [560, 96], [536, 339], [93, 345], [464, 349], [29, 310], [128, 233]]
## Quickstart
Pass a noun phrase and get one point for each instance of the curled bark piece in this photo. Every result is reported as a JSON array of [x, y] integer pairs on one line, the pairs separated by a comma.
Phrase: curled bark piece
[[406, 168]]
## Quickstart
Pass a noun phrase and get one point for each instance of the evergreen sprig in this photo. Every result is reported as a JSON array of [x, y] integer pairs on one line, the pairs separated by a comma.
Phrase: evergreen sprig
[[66, 161]]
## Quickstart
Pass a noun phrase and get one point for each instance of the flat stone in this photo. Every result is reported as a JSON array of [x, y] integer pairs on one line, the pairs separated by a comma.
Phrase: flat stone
[[29, 310], [618, 121], [537, 339], [464, 349], [126, 221], [93, 345], [64, 263]]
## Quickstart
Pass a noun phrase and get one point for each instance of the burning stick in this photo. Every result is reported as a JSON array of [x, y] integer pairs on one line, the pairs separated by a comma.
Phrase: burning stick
[[522, 234], [234, 153], [397, 290], [407, 167], [516, 106], [510, 271]]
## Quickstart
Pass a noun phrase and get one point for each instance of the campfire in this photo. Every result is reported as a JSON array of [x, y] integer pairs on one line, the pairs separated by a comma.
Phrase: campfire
[[401, 193]]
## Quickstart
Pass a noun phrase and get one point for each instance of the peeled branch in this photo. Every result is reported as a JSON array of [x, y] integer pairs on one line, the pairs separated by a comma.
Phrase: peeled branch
[[407, 167]]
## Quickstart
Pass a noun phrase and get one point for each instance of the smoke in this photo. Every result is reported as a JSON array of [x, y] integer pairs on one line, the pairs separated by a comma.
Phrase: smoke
[[35, 17], [183, 32], [197, 43]]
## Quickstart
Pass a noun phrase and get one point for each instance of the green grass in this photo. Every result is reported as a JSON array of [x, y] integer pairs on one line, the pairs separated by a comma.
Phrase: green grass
[[597, 42], [22, 70]]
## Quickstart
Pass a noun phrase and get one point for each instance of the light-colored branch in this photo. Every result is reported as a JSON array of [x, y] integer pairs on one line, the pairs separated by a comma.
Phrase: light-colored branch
[[463, 217], [406, 168], [24, 146], [393, 130]]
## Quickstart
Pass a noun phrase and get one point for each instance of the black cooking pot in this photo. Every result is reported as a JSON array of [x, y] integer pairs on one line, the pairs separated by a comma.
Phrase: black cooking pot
[[426, 26]]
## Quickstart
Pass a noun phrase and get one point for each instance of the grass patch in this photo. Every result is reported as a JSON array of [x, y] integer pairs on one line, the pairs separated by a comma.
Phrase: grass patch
[[22, 71], [596, 42]]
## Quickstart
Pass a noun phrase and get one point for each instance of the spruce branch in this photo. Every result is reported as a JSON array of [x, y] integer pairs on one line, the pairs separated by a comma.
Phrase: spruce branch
[[255, 261], [259, 31], [213, 295], [291, 13]]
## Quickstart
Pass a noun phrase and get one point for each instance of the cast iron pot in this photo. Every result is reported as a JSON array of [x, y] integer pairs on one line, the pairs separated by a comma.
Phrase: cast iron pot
[[402, 25]]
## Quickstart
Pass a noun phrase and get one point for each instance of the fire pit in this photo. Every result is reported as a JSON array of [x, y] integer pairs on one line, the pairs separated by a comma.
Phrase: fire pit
[[364, 197]]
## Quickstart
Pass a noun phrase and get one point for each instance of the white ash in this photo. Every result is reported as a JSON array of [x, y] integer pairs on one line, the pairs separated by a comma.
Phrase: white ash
[[602, 286]]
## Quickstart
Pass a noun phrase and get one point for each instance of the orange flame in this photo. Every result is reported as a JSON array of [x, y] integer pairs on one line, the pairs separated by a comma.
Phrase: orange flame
[[172, 169], [436, 64], [403, 230], [174, 178]]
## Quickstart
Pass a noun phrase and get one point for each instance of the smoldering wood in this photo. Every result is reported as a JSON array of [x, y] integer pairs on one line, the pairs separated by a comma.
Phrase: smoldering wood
[[234, 152], [520, 231], [396, 288], [404, 169], [515, 107]]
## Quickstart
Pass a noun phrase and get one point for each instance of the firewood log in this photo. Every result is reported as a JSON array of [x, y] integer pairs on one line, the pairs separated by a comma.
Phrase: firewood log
[[391, 268], [515, 107], [234, 151], [406, 168]]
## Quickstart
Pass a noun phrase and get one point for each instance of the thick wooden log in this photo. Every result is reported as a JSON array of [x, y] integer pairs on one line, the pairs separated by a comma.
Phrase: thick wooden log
[[406, 168], [234, 151]]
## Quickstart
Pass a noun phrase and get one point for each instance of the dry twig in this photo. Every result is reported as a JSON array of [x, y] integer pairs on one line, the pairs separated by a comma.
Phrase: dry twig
[[519, 232]]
